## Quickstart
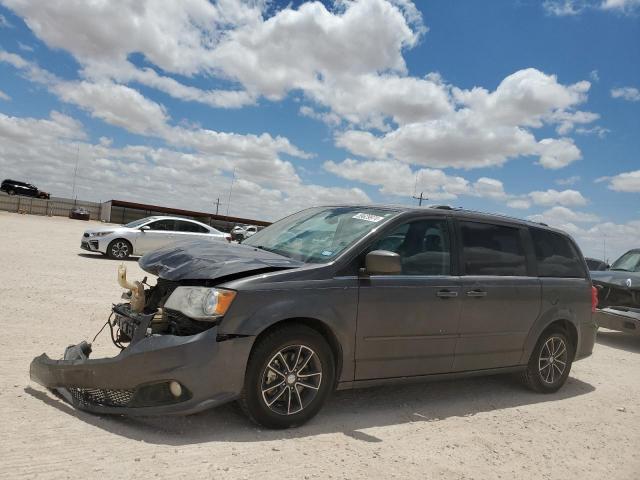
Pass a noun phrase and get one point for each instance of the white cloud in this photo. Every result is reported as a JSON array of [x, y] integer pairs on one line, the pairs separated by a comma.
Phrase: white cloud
[[346, 59], [571, 198], [25, 48], [557, 153], [116, 104], [125, 107], [562, 215], [631, 94], [594, 75], [4, 23], [598, 131], [572, 180], [175, 36], [626, 6], [487, 128], [265, 187], [563, 8], [625, 182], [4, 96], [399, 179], [519, 203]]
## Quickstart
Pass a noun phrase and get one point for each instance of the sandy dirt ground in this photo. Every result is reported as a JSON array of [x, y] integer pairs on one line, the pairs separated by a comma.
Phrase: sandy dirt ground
[[53, 294]]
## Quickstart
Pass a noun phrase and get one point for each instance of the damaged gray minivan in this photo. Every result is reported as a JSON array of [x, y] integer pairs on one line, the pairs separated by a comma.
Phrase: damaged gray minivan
[[337, 297]]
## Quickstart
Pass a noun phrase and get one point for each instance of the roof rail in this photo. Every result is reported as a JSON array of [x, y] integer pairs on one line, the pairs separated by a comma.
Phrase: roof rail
[[441, 207]]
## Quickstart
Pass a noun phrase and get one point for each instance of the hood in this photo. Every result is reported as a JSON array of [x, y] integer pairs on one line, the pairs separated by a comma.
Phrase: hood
[[617, 278], [111, 228], [203, 260]]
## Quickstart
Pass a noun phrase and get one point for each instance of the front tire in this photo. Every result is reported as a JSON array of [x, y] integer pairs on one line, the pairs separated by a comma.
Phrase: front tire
[[290, 374], [11, 192], [550, 362], [119, 249]]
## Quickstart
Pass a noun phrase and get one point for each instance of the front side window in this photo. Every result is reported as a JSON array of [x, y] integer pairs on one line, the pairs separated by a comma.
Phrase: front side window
[[163, 225], [423, 247], [492, 250], [318, 235], [555, 255]]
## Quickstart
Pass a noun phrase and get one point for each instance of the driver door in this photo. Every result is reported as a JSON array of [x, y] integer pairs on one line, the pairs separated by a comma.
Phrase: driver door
[[407, 324], [160, 233]]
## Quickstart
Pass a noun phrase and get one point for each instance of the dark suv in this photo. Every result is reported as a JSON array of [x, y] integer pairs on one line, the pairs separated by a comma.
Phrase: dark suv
[[338, 297], [14, 187]]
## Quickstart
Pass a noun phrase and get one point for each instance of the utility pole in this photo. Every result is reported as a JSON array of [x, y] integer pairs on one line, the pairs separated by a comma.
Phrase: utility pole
[[420, 198], [75, 173], [217, 205], [233, 177]]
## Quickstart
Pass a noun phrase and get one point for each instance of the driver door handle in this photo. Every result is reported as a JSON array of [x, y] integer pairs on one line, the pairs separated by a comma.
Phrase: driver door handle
[[446, 294], [476, 293]]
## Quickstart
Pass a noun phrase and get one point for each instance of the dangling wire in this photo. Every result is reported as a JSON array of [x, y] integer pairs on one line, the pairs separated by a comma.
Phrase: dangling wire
[[108, 322]]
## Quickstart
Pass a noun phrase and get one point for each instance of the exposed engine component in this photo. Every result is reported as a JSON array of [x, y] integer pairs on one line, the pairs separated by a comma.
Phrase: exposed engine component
[[136, 288]]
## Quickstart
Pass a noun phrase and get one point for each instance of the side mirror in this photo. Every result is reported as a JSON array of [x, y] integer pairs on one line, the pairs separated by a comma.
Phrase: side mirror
[[144, 228], [383, 262]]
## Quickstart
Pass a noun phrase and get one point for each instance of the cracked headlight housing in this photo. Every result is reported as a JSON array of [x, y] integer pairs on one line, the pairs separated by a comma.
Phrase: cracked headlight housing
[[201, 303]]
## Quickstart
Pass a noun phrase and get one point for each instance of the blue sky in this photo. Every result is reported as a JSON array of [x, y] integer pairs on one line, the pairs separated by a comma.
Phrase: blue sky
[[526, 108]]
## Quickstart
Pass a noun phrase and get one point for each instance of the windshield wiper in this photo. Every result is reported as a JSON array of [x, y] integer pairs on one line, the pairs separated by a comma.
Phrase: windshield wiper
[[620, 269]]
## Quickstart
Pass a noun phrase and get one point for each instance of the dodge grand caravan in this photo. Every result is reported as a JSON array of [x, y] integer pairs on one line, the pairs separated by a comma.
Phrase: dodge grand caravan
[[337, 298]]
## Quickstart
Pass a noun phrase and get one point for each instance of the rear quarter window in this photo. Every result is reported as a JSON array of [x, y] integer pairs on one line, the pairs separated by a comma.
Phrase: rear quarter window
[[556, 255]]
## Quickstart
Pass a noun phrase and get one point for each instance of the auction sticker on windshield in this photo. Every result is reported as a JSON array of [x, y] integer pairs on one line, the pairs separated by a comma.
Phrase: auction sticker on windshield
[[368, 217]]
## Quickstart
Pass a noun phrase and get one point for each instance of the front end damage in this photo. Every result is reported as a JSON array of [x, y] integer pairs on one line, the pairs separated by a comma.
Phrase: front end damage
[[618, 300], [168, 363]]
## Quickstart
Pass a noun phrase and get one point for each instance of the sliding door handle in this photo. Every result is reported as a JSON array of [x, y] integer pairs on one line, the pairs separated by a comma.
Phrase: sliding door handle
[[446, 294], [476, 293]]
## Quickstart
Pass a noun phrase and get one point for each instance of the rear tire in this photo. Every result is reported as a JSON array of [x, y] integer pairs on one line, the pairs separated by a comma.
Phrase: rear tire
[[11, 192], [119, 249], [550, 362], [290, 374]]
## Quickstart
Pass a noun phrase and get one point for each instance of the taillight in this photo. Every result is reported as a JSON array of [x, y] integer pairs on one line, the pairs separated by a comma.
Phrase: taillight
[[594, 298]]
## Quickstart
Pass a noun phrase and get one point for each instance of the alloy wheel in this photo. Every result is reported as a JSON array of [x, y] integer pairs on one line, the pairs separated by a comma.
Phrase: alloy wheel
[[553, 359], [291, 379], [120, 249]]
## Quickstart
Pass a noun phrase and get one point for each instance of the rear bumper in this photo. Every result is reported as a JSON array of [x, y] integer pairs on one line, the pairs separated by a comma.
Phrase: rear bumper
[[136, 381], [623, 320]]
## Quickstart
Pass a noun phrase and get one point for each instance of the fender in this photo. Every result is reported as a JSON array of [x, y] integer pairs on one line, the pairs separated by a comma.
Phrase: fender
[[333, 302]]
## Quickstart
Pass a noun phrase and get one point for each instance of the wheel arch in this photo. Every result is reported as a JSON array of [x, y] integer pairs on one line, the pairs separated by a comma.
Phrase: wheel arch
[[319, 326], [123, 239], [568, 328], [551, 320]]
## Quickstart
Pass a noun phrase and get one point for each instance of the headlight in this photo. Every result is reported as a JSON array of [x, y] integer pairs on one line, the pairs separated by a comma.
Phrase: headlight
[[99, 234], [201, 303]]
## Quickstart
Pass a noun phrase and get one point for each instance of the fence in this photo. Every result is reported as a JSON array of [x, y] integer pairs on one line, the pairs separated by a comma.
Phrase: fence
[[55, 206]]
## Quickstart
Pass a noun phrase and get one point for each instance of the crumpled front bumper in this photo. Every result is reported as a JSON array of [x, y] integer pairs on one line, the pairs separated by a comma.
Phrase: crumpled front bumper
[[136, 381]]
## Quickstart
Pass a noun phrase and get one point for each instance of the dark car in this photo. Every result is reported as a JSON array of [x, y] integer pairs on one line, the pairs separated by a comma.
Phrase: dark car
[[619, 294], [80, 213], [14, 187], [337, 298], [596, 265]]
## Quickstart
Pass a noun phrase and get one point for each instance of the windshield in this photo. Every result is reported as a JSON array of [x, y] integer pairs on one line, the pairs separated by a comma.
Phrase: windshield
[[318, 235], [137, 223], [629, 262]]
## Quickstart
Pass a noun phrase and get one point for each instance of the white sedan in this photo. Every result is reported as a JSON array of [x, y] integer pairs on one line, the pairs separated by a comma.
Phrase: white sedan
[[146, 235]]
